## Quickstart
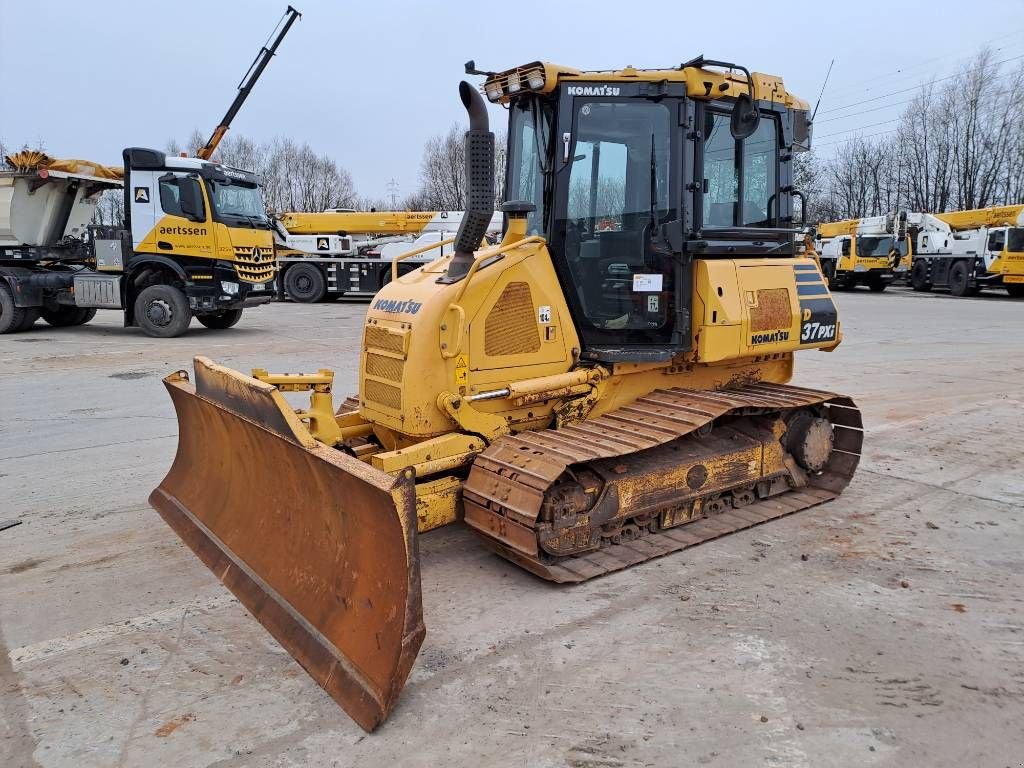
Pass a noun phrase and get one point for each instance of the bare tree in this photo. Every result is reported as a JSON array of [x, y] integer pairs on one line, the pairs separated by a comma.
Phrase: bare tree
[[294, 176], [443, 170], [958, 146]]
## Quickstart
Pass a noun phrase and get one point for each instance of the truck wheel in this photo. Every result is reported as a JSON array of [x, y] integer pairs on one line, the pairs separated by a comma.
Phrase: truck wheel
[[64, 316], [221, 320], [919, 277], [876, 284], [959, 279], [162, 311], [31, 314], [305, 283], [14, 319]]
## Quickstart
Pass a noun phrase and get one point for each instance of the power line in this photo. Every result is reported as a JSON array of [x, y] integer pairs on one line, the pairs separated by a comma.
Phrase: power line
[[853, 138], [912, 88], [902, 73], [884, 122], [865, 111], [861, 127]]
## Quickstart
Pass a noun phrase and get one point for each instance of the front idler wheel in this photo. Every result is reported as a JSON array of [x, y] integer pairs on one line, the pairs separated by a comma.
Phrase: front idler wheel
[[810, 438]]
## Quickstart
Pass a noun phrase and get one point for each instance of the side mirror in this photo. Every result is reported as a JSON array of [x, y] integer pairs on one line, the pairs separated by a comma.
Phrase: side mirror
[[745, 117], [191, 199]]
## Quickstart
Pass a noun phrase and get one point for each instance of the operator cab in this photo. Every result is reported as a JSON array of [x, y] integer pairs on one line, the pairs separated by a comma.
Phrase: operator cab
[[634, 174]]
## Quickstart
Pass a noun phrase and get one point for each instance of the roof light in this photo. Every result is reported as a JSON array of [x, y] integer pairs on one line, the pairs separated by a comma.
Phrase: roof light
[[536, 80], [514, 85], [493, 92]]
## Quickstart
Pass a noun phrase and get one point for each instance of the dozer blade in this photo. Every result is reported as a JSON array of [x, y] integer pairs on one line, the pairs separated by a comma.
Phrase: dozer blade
[[319, 547]]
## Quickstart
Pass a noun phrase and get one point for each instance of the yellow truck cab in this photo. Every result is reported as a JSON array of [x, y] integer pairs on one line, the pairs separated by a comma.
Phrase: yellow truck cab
[[196, 242], [872, 251]]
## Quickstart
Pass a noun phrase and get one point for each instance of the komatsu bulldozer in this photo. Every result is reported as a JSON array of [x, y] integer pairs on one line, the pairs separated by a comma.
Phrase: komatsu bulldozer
[[606, 385]]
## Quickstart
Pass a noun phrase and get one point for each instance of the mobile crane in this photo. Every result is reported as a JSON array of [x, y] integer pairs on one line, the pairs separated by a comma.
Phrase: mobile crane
[[873, 251], [348, 254], [967, 251], [196, 240]]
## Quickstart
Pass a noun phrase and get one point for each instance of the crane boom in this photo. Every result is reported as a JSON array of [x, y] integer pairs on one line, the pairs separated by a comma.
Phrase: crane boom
[[248, 81], [1000, 216]]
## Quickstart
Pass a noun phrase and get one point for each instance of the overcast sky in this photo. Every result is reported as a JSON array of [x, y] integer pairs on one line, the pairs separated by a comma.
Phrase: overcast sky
[[367, 83]]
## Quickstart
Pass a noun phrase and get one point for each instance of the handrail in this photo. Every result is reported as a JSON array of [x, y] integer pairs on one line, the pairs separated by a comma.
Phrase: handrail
[[479, 259], [416, 252]]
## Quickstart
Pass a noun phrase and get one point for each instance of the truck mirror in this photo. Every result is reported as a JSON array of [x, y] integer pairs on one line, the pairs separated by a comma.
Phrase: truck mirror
[[745, 117], [191, 199]]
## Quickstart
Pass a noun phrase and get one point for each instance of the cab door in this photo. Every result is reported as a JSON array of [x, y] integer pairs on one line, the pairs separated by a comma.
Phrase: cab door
[[183, 227], [618, 168]]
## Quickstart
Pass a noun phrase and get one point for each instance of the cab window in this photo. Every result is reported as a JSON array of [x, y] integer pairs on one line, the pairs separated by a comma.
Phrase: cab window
[[997, 241], [170, 197], [170, 194], [740, 177]]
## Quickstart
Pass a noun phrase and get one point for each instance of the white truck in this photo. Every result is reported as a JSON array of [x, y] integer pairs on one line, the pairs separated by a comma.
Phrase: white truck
[[966, 251], [341, 253]]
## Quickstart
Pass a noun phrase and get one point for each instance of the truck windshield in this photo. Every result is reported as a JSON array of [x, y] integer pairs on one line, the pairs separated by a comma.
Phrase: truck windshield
[[874, 246], [242, 201], [529, 158], [1015, 239]]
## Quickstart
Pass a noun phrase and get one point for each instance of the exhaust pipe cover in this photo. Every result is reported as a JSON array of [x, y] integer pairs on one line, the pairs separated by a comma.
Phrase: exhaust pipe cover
[[479, 182]]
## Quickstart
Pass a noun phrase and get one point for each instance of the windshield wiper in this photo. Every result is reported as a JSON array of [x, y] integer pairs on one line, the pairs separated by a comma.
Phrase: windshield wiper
[[654, 187]]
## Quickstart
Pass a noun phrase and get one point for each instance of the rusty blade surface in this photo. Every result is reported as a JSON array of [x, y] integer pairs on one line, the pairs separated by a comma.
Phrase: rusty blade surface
[[319, 547]]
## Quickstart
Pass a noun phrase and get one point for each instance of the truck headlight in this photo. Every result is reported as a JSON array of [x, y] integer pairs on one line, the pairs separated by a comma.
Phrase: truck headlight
[[231, 289]]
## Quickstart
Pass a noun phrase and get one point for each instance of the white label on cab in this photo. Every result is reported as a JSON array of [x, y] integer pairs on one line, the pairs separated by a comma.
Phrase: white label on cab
[[642, 283], [544, 315]]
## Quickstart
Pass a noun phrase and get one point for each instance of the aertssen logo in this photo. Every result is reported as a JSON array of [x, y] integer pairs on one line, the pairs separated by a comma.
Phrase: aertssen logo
[[593, 90]]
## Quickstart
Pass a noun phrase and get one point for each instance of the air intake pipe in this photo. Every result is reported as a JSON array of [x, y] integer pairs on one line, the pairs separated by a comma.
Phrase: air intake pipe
[[479, 182]]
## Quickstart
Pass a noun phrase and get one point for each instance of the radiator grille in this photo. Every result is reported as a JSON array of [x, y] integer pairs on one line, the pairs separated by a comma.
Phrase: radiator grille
[[382, 394], [384, 367], [381, 338], [255, 265], [510, 328], [772, 311]]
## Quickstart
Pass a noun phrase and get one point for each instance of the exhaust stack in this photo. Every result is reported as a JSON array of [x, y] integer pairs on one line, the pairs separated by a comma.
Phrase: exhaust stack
[[479, 182]]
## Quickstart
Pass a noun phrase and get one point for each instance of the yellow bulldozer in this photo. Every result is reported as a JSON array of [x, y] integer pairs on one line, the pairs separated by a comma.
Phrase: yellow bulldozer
[[606, 385]]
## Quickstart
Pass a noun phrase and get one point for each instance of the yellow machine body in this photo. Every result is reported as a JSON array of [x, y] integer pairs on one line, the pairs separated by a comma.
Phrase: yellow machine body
[[486, 394]]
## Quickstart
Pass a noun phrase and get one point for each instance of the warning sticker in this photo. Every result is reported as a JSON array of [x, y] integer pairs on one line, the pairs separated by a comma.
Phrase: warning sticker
[[461, 371], [642, 283], [544, 314]]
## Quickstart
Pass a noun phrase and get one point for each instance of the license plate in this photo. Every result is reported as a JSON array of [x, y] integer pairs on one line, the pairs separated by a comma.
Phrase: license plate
[[259, 287]]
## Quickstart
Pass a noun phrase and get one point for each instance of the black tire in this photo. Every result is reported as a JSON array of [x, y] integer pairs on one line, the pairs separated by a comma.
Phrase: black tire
[[65, 315], [14, 319], [876, 284], [222, 320], [162, 311], [959, 279], [305, 283], [919, 277], [31, 314], [1015, 291]]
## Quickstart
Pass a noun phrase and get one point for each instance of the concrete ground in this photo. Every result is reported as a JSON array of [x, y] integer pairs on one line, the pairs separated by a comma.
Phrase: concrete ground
[[883, 629]]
